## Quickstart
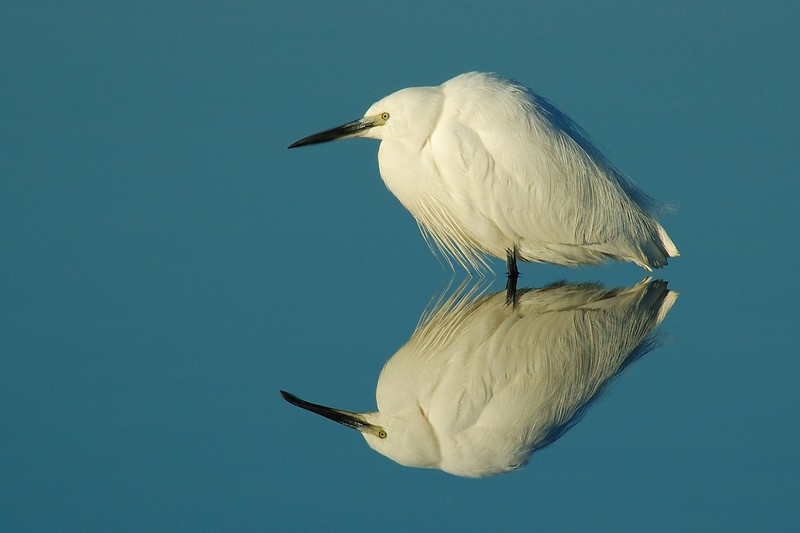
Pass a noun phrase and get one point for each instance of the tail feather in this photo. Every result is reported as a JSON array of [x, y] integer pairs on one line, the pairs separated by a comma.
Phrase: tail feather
[[666, 242], [655, 252]]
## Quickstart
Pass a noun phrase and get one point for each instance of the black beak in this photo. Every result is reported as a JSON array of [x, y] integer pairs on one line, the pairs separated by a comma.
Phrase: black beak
[[340, 132], [346, 418]]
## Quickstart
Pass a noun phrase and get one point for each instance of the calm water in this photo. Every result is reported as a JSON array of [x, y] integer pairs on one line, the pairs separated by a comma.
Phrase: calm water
[[169, 266]]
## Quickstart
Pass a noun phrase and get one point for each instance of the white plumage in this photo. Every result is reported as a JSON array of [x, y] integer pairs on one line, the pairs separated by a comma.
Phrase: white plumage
[[487, 167]]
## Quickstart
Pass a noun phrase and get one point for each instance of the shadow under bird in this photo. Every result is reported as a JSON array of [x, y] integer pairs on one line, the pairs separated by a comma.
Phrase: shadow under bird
[[489, 168], [482, 384]]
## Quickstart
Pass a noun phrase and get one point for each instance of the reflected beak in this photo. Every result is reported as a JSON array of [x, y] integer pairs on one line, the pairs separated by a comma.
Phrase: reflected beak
[[351, 129], [346, 418]]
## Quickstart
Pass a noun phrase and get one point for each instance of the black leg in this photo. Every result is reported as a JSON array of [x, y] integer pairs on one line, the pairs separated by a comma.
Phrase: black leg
[[511, 263], [511, 291], [513, 274]]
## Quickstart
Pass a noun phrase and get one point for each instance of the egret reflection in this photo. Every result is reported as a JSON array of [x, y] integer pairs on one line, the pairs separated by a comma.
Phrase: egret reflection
[[482, 383]]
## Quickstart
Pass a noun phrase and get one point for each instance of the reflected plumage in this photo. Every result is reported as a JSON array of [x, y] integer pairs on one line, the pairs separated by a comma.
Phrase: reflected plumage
[[487, 167], [482, 384]]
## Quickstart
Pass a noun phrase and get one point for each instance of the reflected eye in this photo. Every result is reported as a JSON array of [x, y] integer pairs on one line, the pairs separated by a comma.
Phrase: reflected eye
[[384, 116]]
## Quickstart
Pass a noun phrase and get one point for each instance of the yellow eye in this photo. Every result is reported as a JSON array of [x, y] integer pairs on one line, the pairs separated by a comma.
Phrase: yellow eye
[[384, 116], [382, 433]]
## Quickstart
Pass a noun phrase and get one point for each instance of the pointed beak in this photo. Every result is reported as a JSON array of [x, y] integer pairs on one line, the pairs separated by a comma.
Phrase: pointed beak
[[346, 418], [351, 129]]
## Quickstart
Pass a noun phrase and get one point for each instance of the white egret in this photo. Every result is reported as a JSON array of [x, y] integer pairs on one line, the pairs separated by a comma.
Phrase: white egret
[[487, 167], [482, 384]]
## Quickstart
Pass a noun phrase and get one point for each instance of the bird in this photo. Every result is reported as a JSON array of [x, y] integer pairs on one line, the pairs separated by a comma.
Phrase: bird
[[489, 168], [482, 384]]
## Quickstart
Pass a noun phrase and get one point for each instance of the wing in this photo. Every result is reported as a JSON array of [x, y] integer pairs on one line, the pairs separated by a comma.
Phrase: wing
[[525, 171]]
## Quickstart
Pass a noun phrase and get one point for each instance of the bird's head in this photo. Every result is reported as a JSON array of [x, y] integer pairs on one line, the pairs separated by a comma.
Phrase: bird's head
[[409, 113]]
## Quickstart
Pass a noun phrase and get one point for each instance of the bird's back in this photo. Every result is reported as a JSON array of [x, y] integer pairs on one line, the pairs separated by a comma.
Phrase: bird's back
[[518, 173]]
